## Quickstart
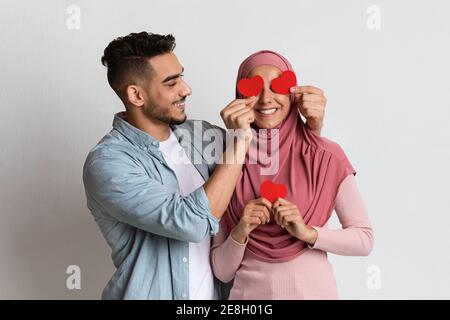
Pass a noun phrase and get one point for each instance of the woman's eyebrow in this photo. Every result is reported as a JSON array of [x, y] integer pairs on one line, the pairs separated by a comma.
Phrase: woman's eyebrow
[[173, 77]]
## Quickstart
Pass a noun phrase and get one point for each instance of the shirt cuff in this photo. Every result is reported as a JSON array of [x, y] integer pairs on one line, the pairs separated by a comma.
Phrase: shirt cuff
[[316, 244], [230, 238], [202, 202]]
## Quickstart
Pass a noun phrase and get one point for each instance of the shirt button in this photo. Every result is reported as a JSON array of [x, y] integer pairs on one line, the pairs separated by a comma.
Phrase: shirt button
[[184, 295], [184, 259], [160, 161], [154, 143]]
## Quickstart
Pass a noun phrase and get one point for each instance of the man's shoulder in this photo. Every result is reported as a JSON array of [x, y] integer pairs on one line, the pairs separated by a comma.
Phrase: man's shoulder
[[113, 147]]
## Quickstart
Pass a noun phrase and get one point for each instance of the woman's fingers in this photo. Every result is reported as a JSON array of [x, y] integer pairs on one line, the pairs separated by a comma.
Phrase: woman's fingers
[[287, 216], [264, 210], [279, 211], [259, 214], [264, 202], [288, 207], [264, 205], [282, 211], [286, 219], [280, 202], [253, 220]]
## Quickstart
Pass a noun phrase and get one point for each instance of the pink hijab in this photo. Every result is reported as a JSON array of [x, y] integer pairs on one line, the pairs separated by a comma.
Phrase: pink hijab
[[311, 167]]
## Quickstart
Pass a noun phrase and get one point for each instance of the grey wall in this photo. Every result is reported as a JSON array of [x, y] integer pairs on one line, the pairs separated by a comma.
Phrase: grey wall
[[388, 107]]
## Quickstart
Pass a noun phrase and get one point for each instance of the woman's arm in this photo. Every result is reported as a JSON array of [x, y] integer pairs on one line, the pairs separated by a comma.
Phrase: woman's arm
[[227, 252], [356, 236], [226, 255]]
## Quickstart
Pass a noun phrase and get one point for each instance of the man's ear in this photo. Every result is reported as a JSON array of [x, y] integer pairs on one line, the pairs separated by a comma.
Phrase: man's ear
[[135, 95]]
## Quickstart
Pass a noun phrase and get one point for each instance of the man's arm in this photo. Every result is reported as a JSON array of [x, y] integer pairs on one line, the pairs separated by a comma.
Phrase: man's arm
[[124, 190], [315, 126], [219, 188]]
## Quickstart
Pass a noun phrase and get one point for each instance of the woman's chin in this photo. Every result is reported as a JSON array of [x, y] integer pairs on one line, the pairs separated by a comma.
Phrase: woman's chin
[[267, 124]]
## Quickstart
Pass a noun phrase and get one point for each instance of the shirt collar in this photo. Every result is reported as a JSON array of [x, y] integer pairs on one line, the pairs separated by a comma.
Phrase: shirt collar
[[136, 136]]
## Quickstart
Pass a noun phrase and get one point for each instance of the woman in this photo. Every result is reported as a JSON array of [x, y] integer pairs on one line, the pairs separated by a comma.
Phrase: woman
[[279, 250]]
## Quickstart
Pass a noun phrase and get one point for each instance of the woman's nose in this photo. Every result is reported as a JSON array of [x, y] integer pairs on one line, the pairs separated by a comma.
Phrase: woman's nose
[[266, 96]]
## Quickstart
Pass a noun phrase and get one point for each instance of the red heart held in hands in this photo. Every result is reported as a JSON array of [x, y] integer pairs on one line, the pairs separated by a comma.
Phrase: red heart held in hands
[[284, 82], [272, 191], [250, 87]]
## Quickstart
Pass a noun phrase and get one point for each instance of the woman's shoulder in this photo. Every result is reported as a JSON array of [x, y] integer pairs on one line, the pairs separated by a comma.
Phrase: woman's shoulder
[[331, 147], [322, 143]]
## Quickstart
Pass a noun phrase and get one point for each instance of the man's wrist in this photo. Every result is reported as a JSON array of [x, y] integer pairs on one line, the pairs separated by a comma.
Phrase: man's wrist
[[315, 126]]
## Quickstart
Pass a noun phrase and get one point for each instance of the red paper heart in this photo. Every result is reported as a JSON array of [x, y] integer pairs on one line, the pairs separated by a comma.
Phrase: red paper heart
[[284, 82], [250, 87], [272, 191]]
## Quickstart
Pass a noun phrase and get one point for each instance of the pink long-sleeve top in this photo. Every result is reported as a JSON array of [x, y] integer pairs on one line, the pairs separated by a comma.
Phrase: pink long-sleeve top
[[308, 276]]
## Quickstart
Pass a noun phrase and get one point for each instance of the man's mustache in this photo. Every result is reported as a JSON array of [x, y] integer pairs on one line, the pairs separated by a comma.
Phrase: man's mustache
[[180, 101]]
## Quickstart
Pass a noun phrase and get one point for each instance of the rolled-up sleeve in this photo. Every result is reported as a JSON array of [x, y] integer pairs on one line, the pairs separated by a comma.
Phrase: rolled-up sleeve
[[125, 191]]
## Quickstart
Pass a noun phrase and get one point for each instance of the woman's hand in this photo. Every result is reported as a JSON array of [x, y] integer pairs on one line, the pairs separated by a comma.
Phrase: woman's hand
[[311, 103], [256, 212], [287, 215]]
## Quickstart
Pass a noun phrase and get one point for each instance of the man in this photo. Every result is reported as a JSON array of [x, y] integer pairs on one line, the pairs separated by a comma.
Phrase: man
[[157, 213]]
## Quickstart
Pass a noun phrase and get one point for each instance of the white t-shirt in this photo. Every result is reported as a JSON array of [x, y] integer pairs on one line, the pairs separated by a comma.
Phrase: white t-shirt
[[201, 280]]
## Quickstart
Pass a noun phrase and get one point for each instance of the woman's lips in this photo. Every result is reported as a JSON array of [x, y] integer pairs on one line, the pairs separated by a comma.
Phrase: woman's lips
[[267, 112]]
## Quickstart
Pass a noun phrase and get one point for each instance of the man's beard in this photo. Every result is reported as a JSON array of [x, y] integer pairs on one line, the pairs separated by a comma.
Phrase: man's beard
[[156, 112]]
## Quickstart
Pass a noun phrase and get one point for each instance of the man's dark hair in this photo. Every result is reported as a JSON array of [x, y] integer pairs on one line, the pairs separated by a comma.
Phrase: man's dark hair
[[127, 57]]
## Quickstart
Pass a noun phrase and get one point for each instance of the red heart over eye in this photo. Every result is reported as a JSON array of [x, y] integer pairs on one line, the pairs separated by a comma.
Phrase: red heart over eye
[[284, 82], [272, 191], [250, 87]]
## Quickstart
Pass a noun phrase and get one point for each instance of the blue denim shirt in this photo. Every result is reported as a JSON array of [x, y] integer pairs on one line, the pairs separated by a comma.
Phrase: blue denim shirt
[[134, 198]]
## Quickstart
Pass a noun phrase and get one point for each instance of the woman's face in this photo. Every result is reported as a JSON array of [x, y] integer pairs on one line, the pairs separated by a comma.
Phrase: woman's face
[[270, 108]]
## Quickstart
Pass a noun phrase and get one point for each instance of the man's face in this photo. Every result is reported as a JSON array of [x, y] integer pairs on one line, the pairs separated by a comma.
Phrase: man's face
[[167, 90]]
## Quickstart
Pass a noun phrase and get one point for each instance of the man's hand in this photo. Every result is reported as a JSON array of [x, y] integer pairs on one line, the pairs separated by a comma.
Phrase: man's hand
[[219, 188], [239, 114], [311, 103]]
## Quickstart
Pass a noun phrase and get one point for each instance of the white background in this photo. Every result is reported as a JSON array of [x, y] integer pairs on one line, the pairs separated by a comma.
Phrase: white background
[[388, 107]]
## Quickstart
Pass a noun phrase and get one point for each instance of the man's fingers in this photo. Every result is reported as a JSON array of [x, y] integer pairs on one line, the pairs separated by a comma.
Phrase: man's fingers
[[238, 113], [306, 90], [246, 115], [313, 98], [234, 108]]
